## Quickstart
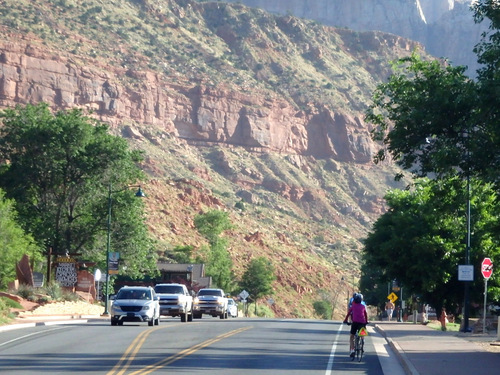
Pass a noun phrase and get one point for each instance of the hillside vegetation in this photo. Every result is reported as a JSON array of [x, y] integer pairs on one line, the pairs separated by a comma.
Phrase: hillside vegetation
[[306, 215]]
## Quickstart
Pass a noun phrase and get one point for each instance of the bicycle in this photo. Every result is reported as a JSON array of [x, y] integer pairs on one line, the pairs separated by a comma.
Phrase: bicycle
[[359, 343]]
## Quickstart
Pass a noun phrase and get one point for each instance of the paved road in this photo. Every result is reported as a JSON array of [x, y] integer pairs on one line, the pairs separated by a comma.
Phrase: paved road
[[209, 346]]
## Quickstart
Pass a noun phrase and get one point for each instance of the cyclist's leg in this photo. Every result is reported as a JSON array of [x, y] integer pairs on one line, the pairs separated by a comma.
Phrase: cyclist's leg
[[351, 338]]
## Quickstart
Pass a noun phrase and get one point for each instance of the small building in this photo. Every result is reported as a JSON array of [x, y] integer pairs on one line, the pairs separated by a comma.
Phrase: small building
[[192, 275]]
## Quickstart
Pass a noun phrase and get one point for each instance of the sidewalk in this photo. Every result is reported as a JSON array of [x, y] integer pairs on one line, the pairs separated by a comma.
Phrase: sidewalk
[[425, 351], [47, 320]]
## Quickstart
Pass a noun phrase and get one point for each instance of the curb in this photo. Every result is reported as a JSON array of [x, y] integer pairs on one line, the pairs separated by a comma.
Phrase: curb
[[50, 321], [408, 367]]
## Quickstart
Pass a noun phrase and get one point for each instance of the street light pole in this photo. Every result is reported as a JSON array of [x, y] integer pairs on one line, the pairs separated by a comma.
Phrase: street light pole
[[108, 243], [139, 194], [467, 245], [467, 260]]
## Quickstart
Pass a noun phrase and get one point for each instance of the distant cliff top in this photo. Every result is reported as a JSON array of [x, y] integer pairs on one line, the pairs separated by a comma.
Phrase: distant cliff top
[[445, 27]]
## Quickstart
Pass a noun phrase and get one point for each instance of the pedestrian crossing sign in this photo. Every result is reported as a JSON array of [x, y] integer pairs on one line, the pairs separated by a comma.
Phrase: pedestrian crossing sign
[[393, 297]]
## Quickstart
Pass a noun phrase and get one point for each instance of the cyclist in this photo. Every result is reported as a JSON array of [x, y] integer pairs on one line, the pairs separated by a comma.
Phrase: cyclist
[[359, 318], [352, 300]]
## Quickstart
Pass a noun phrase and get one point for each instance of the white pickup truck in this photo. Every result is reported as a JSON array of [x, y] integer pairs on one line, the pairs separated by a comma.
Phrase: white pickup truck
[[175, 300], [211, 302]]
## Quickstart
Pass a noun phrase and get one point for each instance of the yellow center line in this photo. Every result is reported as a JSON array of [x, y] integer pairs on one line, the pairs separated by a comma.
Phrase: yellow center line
[[132, 350], [164, 362]]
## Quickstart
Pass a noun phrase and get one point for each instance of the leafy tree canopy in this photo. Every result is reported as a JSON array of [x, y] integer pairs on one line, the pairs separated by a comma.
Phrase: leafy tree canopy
[[258, 278], [14, 242], [219, 264], [212, 224], [59, 167], [435, 121], [424, 116], [421, 239]]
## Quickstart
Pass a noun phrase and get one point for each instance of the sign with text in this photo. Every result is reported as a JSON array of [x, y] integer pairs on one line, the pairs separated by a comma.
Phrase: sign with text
[[466, 273], [114, 257]]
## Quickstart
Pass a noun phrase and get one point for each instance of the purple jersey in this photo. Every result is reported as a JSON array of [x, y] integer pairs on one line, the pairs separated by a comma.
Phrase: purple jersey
[[358, 312]]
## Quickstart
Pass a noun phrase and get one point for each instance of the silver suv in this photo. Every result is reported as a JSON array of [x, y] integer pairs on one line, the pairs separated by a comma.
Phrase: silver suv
[[135, 304]]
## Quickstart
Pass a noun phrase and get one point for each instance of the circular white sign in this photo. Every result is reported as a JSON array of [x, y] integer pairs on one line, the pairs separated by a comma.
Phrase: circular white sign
[[97, 275]]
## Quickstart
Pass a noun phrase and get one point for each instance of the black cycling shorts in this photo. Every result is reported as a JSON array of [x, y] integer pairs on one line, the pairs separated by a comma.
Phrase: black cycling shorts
[[355, 326]]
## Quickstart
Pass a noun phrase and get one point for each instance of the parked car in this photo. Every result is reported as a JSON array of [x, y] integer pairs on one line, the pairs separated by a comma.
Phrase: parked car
[[232, 308], [135, 304]]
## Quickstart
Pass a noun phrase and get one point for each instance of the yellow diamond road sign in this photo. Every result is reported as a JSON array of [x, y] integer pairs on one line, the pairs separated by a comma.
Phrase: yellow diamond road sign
[[392, 297]]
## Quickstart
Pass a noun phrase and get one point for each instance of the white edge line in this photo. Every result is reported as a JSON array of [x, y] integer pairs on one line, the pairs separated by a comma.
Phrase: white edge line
[[332, 352]]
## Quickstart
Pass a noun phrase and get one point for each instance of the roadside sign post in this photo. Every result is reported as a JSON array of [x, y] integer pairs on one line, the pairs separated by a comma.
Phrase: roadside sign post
[[244, 295], [486, 270]]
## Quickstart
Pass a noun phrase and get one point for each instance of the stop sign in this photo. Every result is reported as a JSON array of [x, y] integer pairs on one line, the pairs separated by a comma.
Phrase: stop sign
[[487, 268]]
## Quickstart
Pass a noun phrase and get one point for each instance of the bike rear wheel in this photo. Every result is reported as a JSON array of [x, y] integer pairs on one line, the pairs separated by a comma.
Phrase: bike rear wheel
[[356, 348], [360, 351]]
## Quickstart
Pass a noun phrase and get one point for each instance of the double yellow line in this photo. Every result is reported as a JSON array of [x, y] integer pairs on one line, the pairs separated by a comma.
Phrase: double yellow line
[[131, 352]]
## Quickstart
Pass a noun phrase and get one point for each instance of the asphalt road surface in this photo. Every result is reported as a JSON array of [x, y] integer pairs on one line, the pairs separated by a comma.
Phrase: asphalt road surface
[[207, 346]]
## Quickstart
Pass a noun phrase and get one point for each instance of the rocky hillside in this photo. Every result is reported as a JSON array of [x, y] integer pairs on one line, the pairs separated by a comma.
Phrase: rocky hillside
[[445, 27], [231, 105]]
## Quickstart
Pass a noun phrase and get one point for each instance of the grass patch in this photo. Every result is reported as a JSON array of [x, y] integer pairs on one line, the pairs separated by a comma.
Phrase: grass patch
[[452, 327], [5, 305]]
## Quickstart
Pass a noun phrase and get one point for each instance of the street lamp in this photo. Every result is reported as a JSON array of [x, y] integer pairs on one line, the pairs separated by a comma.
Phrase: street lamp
[[139, 194]]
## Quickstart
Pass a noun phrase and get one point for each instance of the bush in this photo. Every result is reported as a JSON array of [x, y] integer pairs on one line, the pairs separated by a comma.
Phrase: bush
[[263, 311], [4, 310], [10, 304], [5, 305], [323, 308], [26, 292], [55, 291]]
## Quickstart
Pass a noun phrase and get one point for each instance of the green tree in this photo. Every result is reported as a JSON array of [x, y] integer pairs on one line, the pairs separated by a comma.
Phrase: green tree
[[14, 243], [433, 119], [212, 224], [219, 264], [420, 241], [488, 77], [424, 117], [60, 167], [182, 253], [258, 278]]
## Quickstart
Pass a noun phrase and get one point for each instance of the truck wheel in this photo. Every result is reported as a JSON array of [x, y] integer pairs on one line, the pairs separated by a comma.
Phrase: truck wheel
[[190, 317], [184, 318], [222, 316]]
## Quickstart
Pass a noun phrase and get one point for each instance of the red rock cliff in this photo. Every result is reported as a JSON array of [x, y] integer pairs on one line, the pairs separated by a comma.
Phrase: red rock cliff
[[29, 74]]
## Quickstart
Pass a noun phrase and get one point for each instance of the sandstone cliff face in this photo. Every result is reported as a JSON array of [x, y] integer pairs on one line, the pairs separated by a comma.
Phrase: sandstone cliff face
[[194, 113], [445, 27]]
